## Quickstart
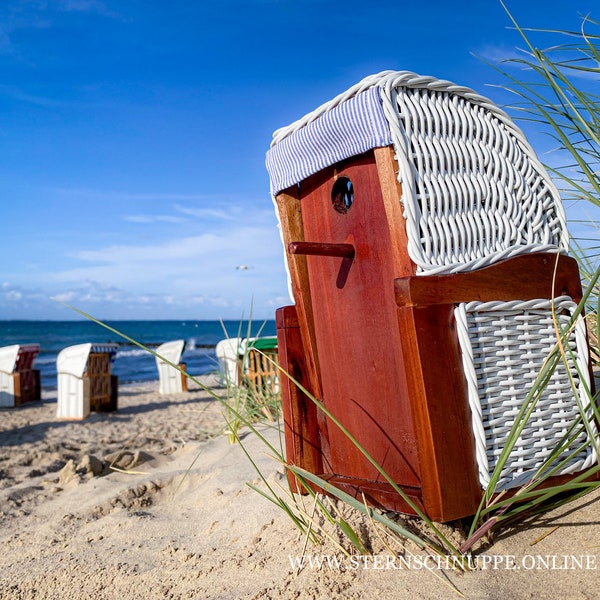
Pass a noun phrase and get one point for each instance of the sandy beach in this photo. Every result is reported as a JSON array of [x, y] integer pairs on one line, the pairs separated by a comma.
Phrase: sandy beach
[[175, 518]]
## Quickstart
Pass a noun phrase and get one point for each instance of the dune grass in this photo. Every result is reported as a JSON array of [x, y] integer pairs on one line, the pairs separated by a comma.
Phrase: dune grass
[[249, 399], [557, 89]]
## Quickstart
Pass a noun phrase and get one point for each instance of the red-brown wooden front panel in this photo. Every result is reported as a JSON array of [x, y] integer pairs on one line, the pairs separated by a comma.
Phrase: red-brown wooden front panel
[[356, 327]]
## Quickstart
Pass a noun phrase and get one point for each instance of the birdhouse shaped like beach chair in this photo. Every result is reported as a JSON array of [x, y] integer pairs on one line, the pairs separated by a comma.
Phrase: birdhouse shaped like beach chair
[[171, 380], [19, 381], [426, 249], [85, 380]]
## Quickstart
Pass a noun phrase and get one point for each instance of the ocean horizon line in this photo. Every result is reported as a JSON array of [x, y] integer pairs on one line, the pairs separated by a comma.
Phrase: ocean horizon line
[[100, 321], [135, 340]]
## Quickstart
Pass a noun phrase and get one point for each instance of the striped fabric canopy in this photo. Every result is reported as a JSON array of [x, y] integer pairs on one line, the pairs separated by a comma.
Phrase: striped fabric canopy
[[349, 129]]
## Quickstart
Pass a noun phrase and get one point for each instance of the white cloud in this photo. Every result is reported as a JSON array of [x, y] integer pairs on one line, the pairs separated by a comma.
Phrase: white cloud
[[518, 59], [498, 53], [155, 219], [177, 249], [183, 214], [226, 215], [94, 7], [15, 93], [179, 276], [93, 299], [66, 297], [157, 256], [13, 295]]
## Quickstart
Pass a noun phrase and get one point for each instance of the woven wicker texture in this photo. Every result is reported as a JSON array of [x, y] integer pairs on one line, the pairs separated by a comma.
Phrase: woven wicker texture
[[261, 371], [474, 191], [504, 346]]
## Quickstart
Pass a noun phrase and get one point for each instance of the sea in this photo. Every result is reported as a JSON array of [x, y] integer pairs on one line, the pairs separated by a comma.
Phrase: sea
[[132, 364]]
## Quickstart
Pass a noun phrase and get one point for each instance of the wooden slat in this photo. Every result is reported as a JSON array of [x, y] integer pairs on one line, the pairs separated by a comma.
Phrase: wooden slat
[[524, 277], [301, 425], [356, 329], [292, 230], [391, 191], [438, 398]]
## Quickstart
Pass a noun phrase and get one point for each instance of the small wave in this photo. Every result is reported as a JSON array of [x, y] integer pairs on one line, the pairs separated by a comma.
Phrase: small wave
[[47, 359], [133, 352]]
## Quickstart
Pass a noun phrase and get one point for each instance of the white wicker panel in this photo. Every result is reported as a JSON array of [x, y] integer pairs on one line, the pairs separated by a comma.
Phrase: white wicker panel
[[169, 378], [473, 191], [7, 390], [228, 354], [72, 403], [504, 346]]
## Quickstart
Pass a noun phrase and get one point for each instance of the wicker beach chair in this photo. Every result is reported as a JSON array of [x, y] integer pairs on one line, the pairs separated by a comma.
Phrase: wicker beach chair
[[19, 381], [258, 364], [170, 380], [85, 382], [427, 255], [249, 361]]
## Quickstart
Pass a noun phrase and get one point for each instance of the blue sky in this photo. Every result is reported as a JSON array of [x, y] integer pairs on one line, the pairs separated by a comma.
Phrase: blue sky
[[133, 135]]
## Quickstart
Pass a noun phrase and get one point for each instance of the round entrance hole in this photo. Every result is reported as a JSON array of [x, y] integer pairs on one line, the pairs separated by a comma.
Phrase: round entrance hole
[[342, 195]]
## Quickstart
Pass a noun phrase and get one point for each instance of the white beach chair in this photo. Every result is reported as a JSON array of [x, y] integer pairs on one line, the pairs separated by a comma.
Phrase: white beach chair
[[170, 380], [245, 361], [228, 355], [85, 382], [19, 382]]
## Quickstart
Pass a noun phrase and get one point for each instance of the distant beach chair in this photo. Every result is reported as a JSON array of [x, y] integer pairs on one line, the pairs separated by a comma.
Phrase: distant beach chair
[[259, 365], [19, 381], [251, 362], [228, 357], [85, 381], [170, 380]]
